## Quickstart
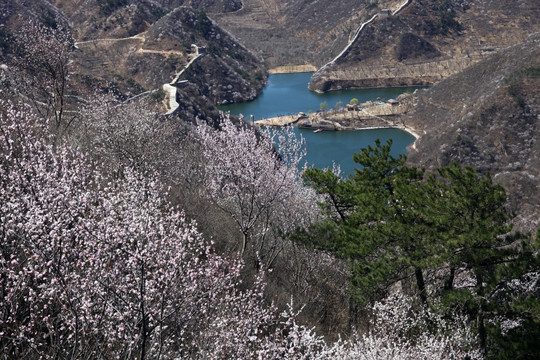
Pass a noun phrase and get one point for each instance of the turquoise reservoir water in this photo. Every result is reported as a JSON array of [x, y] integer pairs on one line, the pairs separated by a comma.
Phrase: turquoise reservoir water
[[288, 94]]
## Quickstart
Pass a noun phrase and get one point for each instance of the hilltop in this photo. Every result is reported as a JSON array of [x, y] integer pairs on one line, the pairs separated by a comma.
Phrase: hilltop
[[94, 19]]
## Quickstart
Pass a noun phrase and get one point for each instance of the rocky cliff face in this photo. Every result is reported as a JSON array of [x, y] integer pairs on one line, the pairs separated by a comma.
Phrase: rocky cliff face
[[488, 117], [428, 41]]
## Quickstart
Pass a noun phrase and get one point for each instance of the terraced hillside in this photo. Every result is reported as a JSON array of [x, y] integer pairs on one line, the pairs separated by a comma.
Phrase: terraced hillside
[[224, 72], [127, 60]]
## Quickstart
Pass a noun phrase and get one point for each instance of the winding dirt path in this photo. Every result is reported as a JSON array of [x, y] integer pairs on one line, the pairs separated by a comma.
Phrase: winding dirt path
[[359, 31], [141, 37], [169, 88]]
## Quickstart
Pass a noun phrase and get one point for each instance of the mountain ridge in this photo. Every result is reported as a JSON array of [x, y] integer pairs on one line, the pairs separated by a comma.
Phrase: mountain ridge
[[428, 41]]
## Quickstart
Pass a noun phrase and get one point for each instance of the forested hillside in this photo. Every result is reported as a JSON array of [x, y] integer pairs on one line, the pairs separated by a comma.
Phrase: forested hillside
[[139, 222]]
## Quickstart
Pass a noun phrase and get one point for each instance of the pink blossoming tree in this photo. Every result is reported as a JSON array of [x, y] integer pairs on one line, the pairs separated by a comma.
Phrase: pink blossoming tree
[[42, 71], [258, 186], [100, 266], [98, 269], [108, 270]]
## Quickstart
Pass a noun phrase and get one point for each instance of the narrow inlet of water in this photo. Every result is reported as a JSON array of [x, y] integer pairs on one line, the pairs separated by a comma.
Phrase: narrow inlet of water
[[288, 94]]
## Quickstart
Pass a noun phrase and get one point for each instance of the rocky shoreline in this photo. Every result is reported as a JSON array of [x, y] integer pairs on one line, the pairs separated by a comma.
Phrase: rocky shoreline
[[368, 115]]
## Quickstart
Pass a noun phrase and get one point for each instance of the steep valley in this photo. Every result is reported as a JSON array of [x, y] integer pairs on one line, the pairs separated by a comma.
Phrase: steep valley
[[483, 115], [481, 56]]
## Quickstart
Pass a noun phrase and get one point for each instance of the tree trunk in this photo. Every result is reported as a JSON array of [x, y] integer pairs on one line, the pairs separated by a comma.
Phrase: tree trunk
[[421, 285], [449, 285], [244, 242], [353, 313], [144, 330], [482, 333]]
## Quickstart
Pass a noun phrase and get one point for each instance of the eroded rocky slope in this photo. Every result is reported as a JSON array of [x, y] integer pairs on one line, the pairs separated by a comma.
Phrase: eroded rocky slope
[[428, 41], [225, 72]]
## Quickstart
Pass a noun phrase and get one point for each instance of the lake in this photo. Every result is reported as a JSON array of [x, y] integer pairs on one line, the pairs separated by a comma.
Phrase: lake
[[288, 94]]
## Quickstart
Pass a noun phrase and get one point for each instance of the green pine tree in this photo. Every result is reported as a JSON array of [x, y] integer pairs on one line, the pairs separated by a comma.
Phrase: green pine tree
[[391, 222]]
